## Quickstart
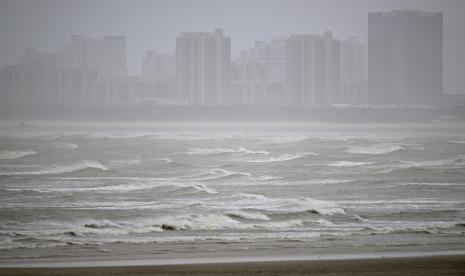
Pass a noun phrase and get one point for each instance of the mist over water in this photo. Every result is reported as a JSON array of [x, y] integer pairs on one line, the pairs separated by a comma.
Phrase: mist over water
[[168, 132], [324, 186]]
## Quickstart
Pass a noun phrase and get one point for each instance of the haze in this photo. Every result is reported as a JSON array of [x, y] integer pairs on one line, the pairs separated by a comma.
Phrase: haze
[[154, 25]]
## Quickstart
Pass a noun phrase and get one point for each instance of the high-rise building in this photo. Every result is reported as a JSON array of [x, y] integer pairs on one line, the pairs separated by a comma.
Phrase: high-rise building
[[158, 66], [159, 75], [10, 84], [272, 56], [45, 78], [113, 57], [247, 81], [106, 56], [405, 57], [203, 62], [353, 71], [313, 70]]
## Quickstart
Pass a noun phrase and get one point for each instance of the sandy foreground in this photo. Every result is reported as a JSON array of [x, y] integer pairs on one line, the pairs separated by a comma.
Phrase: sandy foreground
[[429, 265]]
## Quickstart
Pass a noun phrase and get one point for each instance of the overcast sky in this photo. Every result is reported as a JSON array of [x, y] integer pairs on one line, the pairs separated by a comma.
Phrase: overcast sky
[[154, 24]]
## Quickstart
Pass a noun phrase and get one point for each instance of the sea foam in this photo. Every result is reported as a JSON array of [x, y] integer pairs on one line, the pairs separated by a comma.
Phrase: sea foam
[[60, 169], [15, 154], [375, 149]]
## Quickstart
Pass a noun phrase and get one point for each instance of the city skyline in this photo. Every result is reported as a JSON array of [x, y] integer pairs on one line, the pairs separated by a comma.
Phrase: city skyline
[[93, 71], [153, 25]]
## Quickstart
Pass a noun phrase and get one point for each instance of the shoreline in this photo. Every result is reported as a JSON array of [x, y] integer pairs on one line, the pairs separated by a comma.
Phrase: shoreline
[[114, 261], [406, 266]]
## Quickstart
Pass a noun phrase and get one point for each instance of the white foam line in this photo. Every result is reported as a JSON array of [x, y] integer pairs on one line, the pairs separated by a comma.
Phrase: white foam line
[[218, 260]]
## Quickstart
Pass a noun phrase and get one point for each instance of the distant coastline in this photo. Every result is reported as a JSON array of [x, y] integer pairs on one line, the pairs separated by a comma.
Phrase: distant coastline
[[342, 114]]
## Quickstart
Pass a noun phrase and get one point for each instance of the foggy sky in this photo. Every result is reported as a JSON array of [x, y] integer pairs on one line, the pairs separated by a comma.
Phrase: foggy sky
[[154, 24]]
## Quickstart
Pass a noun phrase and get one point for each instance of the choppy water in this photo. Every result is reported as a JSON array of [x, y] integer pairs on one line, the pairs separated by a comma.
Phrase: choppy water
[[73, 185]]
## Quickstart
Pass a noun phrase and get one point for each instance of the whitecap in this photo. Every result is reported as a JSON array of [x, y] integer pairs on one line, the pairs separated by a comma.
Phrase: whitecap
[[281, 158], [426, 184], [219, 222], [67, 146], [166, 160], [248, 215], [203, 188], [198, 222], [240, 150], [60, 169], [375, 149], [15, 154], [197, 187], [279, 205], [125, 163], [433, 163], [215, 174], [348, 164]]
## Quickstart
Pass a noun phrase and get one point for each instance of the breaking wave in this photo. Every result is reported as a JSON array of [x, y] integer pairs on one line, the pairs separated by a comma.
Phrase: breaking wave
[[375, 150], [348, 164], [281, 158], [433, 163], [15, 154], [67, 146], [216, 174], [197, 187], [283, 205], [240, 150], [63, 169], [248, 215]]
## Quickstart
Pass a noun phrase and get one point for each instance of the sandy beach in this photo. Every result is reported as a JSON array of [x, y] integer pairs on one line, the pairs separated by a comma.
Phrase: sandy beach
[[430, 265]]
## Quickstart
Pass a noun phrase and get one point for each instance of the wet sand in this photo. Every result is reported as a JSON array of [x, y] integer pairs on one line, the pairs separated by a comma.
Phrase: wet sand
[[439, 265]]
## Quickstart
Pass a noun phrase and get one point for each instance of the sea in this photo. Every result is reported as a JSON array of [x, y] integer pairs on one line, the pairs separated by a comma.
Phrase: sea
[[170, 190]]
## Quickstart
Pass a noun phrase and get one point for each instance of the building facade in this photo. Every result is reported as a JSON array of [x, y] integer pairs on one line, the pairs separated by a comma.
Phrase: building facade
[[353, 72], [405, 57], [203, 62], [313, 70]]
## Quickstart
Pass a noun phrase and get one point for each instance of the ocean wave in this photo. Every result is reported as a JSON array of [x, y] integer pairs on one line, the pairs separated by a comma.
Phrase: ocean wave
[[61, 169], [283, 139], [118, 164], [281, 158], [425, 165], [89, 205], [15, 154], [329, 181], [203, 188], [83, 228], [323, 181], [145, 185], [433, 163], [248, 215], [216, 174], [444, 184], [198, 222], [427, 227], [324, 222], [240, 150], [408, 206], [66, 146], [165, 160], [375, 149], [457, 141], [223, 174], [222, 222], [70, 239], [279, 205], [348, 164]]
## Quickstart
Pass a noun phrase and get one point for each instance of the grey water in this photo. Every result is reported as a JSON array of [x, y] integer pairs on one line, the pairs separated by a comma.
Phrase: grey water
[[74, 188]]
